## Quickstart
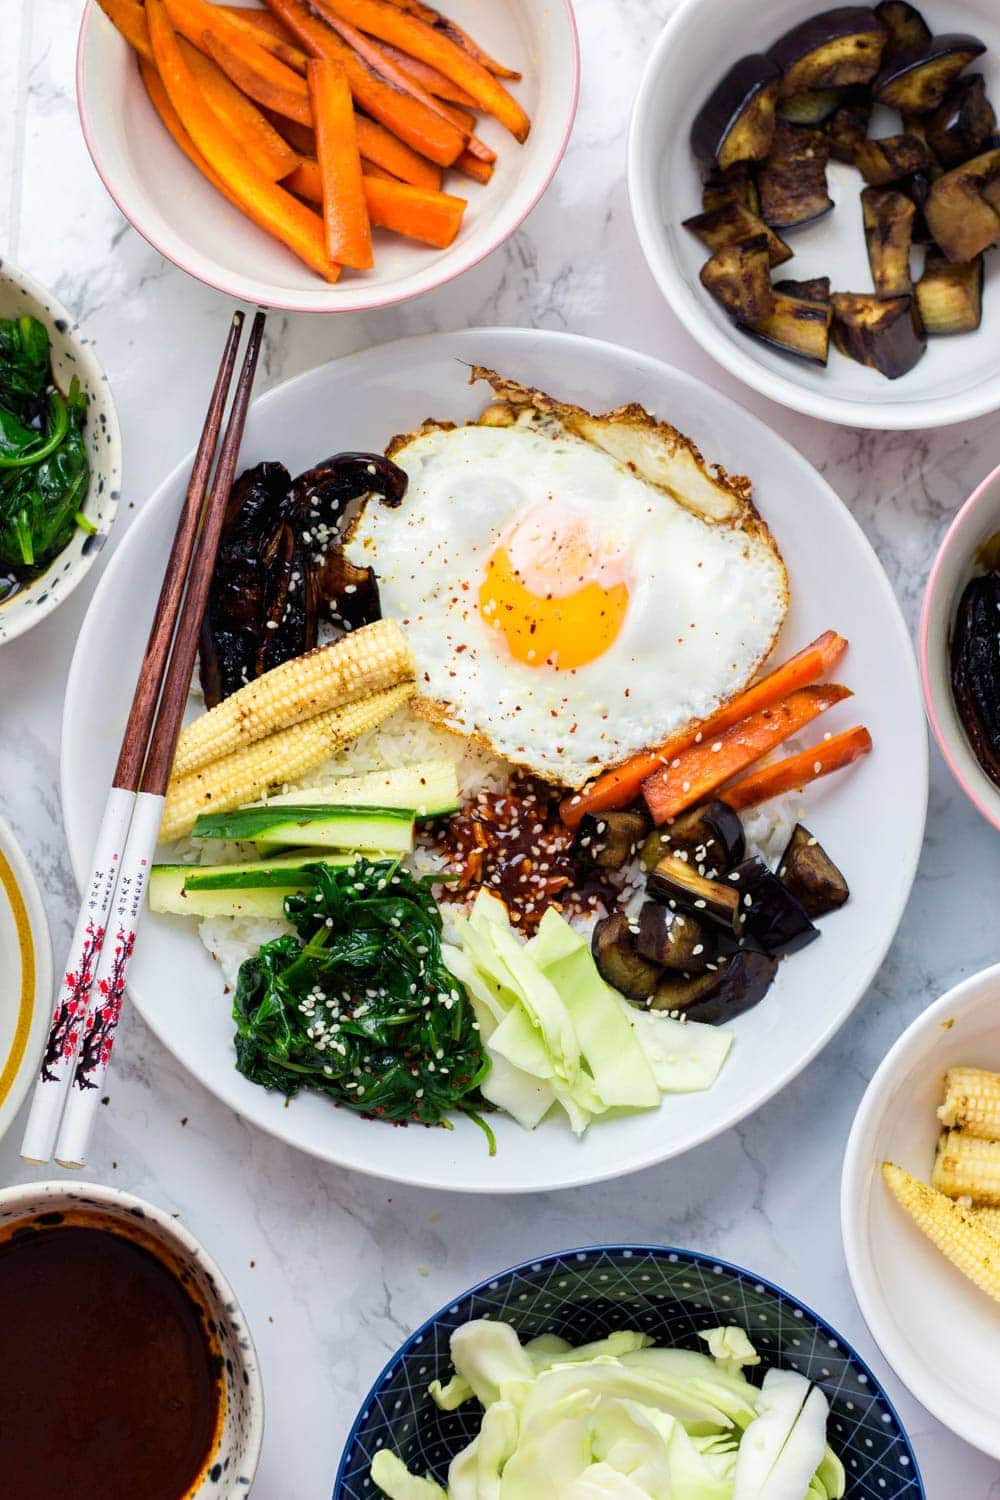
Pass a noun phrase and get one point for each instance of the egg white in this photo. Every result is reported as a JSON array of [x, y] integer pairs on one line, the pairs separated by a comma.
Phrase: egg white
[[706, 600]]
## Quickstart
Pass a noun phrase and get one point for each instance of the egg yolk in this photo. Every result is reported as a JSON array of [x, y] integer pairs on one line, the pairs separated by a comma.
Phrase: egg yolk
[[549, 612]]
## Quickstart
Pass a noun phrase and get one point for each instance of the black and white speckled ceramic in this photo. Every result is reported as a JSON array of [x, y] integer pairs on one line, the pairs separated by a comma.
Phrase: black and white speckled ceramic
[[72, 354], [230, 1468]]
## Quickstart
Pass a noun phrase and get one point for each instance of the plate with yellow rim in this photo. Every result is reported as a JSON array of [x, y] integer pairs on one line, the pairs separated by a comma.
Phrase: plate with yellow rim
[[25, 976]]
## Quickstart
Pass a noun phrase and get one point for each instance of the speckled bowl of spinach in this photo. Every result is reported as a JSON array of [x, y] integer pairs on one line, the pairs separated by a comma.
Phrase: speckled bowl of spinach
[[55, 527]]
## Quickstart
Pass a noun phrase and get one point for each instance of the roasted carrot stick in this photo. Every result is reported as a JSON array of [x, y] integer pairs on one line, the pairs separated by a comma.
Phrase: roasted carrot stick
[[160, 100], [461, 38], [128, 17], [405, 116], [270, 206], [796, 771], [372, 169], [386, 150], [619, 787], [265, 147], [433, 81], [270, 33], [697, 771], [385, 21], [472, 166], [348, 231], [432, 218], [258, 74]]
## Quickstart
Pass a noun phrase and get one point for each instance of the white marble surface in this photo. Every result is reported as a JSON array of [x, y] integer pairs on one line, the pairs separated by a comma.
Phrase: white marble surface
[[333, 1269]]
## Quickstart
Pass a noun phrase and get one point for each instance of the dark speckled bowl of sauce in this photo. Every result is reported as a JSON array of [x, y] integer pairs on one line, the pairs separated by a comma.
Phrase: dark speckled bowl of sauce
[[127, 1369]]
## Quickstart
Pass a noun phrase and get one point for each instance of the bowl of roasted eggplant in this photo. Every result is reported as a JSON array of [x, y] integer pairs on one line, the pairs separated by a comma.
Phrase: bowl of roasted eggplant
[[960, 648], [60, 453], [821, 205]]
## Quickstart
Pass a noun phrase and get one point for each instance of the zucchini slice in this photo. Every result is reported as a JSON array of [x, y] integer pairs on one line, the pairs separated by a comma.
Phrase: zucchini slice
[[905, 26], [836, 48], [915, 81], [888, 219], [962, 122], [792, 181], [798, 325], [950, 295], [890, 158], [960, 210], [882, 332], [376, 829], [733, 223], [739, 277], [736, 122]]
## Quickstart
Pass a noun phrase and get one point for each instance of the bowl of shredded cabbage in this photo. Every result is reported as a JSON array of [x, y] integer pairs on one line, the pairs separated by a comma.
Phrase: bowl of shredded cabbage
[[627, 1373]]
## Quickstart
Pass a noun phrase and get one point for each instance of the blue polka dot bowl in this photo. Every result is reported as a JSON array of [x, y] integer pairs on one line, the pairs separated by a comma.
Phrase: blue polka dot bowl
[[72, 353], [669, 1294]]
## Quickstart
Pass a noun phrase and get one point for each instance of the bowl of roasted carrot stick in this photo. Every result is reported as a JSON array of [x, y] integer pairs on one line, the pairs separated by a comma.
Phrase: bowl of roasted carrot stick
[[920, 1208], [334, 156]]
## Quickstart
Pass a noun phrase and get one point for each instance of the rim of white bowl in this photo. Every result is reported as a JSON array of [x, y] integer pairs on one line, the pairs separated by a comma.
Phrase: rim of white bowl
[[51, 311], [244, 291], [935, 615], [854, 1183], [14, 856], [916, 415]]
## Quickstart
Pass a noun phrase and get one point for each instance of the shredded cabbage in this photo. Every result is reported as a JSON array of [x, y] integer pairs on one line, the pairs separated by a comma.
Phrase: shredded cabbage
[[556, 1034], [620, 1419]]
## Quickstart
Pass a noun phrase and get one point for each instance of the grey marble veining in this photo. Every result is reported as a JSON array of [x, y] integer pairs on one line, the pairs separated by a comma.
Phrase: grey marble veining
[[334, 1269]]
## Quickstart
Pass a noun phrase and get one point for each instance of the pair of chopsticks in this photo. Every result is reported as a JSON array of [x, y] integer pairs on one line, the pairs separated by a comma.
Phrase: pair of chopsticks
[[88, 1002]]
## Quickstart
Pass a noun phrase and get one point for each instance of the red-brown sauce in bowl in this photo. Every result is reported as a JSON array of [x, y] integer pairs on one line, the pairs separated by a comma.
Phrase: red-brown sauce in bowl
[[110, 1377]]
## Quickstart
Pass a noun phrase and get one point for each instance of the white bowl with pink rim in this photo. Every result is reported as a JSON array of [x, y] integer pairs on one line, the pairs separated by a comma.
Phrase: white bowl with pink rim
[[938, 1332], [229, 1468], [182, 216], [954, 564]]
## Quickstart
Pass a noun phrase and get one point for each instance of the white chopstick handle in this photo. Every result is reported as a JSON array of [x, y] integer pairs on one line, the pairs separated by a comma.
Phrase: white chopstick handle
[[108, 990], [73, 992]]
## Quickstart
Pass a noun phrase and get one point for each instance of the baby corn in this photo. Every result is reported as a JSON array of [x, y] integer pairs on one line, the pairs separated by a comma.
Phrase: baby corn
[[248, 772], [366, 661], [966, 1167], [972, 1102], [987, 1218], [967, 1244]]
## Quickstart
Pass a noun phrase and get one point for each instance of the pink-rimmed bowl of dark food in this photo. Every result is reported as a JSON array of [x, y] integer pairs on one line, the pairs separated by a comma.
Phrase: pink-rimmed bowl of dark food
[[633, 1294], [959, 651]]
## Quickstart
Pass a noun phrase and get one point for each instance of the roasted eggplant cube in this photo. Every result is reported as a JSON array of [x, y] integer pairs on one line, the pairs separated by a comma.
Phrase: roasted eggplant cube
[[772, 917], [916, 81], [810, 874], [959, 209], [962, 122], [816, 289], [950, 295], [792, 181], [882, 332], [890, 158], [798, 326], [732, 986], [732, 224], [905, 27], [739, 277], [736, 122], [619, 962], [674, 939], [811, 107], [677, 882], [847, 127], [709, 837], [888, 219], [609, 840], [829, 51], [724, 188]]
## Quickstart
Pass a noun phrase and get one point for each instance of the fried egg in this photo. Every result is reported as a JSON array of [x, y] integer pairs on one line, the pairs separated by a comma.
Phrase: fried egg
[[574, 588]]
